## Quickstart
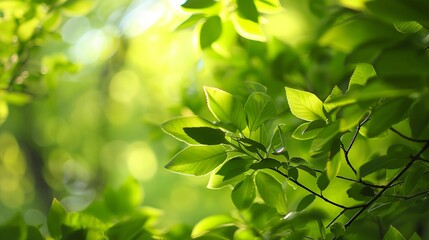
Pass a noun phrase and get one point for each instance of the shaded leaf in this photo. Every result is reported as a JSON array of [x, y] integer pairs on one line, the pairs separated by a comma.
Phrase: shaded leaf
[[197, 4], [176, 127], [211, 223], [229, 172], [333, 165], [128, 230], [305, 202], [419, 118], [244, 193], [360, 192], [247, 10], [338, 229], [206, 135], [265, 163], [210, 31], [393, 234], [197, 160], [322, 143], [408, 26], [271, 191], [323, 181], [308, 130], [56, 216]]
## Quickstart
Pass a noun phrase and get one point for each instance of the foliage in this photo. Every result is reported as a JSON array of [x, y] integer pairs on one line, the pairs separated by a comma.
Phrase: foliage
[[323, 135]]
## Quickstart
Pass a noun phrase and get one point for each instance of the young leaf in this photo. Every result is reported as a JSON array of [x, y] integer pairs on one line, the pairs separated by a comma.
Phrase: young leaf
[[244, 193], [210, 31], [323, 181], [304, 105], [247, 28], [198, 4], [175, 127], [335, 93], [393, 234], [231, 171], [247, 10], [271, 191], [386, 115], [206, 135], [259, 108], [225, 107], [197, 160], [305, 202], [360, 76], [56, 216]]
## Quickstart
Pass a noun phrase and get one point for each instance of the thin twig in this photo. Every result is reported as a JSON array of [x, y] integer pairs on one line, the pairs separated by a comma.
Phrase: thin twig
[[314, 193], [333, 220], [357, 181], [408, 138], [394, 179]]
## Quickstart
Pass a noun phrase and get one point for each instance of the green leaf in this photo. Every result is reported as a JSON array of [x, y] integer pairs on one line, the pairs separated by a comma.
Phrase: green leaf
[[333, 165], [362, 73], [323, 181], [407, 26], [305, 202], [175, 127], [308, 130], [335, 93], [278, 141], [247, 10], [271, 191], [393, 234], [125, 198], [198, 4], [397, 157], [56, 216], [304, 105], [197, 160], [307, 169], [230, 172], [252, 145], [79, 220], [244, 193], [322, 143], [360, 192], [415, 236], [191, 21], [225, 107], [259, 109], [399, 10], [338, 229], [419, 118], [128, 230], [386, 115], [265, 163], [412, 178], [293, 173], [248, 29], [206, 135], [4, 111], [15, 228], [32, 234], [210, 31], [351, 115], [210, 224]]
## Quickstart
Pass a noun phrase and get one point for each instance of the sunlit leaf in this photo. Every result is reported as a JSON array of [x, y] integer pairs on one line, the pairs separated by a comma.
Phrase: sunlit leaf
[[83, 221], [393, 234], [361, 74], [304, 105], [175, 127], [230, 172], [415, 236], [211, 223], [225, 107], [259, 108], [271, 191], [78, 7], [191, 21], [248, 29], [335, 93], [206, 135], [197, 160], [210, 31], [305, 202], [244, 193], [4, 111], [56, 216]]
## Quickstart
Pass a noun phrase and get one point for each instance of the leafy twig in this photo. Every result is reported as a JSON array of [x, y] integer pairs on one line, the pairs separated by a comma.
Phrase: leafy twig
[[358, 181], [314, 193], [389, 184]]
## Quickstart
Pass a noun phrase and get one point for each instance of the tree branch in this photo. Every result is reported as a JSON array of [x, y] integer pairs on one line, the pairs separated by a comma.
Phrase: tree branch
[[408, 138], [389, 184], [314, 193]]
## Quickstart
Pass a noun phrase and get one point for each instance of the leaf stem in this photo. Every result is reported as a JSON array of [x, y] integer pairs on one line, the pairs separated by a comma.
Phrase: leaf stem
[[389, 184]]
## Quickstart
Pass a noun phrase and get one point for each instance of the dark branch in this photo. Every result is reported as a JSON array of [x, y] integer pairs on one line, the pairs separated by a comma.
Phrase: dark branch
[[389, 184], [408, 138]]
